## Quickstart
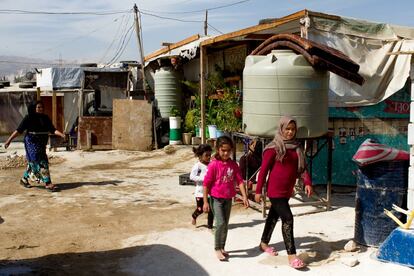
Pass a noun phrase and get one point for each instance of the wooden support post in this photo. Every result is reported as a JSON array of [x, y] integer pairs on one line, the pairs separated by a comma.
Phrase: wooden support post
[[88, 139], [329, 172], [54, 113], [38, 93], [80, 114], [202, 95], [54, 108]]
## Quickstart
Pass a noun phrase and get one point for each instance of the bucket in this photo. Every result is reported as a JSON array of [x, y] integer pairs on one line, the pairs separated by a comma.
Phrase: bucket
[[198, 134], [219, 133], [212, 131], [175, 130], [187, 138], [379, 186]]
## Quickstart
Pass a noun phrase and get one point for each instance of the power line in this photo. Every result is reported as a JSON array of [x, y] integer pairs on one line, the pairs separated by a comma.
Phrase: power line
[[124, 32], [123, 45], [170, 18], [215, 28], [34, 63], [201, 10], [120, 47], [62, 13], [76, 38], [118, 31]]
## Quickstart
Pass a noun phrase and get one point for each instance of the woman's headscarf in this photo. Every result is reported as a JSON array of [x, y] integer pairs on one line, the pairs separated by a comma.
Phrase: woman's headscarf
[[280, 144]]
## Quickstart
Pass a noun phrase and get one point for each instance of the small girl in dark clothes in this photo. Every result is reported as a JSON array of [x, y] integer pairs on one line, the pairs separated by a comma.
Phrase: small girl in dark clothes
[[284, 161], [199, 170]]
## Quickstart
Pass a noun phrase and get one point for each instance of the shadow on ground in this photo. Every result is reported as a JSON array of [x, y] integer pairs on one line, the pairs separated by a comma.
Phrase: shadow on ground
[[317, 249], [140, 260], [74, 185]]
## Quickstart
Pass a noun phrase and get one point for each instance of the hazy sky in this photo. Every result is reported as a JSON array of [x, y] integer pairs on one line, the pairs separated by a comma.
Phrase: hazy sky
[[98, 38]]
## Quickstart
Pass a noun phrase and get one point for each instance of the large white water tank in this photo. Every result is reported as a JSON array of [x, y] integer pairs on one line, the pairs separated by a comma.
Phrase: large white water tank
[[167, 90], [284, 83]]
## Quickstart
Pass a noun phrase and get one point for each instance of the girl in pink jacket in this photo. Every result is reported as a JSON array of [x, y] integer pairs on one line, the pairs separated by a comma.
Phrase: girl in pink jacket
[[222, 176]]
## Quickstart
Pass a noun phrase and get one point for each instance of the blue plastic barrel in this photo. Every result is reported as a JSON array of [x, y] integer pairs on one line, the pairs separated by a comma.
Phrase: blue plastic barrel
[[379, 186]]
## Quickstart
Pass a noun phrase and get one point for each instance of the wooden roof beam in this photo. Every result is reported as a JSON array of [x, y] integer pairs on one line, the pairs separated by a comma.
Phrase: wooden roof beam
[[256, 28]]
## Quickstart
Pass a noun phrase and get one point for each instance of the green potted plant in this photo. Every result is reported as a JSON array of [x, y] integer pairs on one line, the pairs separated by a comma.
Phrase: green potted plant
[[190, 122]]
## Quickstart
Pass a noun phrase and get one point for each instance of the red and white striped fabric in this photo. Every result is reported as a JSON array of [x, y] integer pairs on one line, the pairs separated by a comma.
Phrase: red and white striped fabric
[[370, 152]]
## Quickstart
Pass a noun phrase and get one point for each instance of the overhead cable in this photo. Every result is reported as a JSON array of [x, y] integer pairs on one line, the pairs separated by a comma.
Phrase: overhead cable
[[11, 11], [170, 18], [215, 28], [66, 42], [197, 11]]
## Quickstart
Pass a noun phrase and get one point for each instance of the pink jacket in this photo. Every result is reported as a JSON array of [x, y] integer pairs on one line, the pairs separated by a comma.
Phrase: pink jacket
[[222, 177], [282, 175]]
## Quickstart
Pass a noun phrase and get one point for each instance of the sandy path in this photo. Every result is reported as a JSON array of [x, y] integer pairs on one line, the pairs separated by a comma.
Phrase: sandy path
[[124, 213]]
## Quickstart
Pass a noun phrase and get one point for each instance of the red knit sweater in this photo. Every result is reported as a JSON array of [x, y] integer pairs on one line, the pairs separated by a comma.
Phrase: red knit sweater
[[282, 176]]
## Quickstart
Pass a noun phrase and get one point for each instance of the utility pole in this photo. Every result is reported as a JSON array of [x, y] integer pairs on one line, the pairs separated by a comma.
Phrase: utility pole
[[140, 45], [205, 24]]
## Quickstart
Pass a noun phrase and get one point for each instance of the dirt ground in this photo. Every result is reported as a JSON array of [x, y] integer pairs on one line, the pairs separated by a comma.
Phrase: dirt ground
[[124, 213]]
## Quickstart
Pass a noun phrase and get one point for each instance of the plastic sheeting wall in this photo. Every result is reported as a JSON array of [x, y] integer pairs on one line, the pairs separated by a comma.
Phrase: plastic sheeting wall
[[369, 45], [13, 107]]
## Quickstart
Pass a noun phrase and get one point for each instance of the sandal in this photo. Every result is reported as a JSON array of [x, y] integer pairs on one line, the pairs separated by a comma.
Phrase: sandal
[[220, 256], [297, 263], [51, 188], [269, 250], [25, 183]]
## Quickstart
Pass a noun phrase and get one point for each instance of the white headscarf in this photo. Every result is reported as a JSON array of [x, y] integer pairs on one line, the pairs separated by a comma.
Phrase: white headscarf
[[280, 144]]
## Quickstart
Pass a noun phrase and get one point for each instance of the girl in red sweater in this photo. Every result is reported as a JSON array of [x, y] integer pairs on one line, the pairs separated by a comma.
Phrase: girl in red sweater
[[284, 162]]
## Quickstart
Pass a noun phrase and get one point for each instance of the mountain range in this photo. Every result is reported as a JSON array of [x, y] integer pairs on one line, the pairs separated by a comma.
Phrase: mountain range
[[11, 66]]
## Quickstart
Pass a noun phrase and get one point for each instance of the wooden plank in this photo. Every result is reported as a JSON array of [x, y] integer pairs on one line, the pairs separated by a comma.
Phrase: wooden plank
[[401, 53], [256, 28], [54, 109], [38, 94], [132, 125], [324, 15], [173, 46], [202, 95]]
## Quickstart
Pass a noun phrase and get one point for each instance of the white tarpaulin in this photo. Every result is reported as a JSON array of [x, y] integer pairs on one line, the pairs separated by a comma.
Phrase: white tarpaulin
[[56, 78], [59, 78], [369, 45], [188, 50]]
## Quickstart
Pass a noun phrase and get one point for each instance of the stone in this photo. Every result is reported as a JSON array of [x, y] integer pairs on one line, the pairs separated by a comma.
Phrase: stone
[[349, 261], [351, 246]]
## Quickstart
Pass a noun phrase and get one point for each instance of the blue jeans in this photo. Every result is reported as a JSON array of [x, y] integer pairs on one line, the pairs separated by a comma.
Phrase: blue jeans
[[221, 209]]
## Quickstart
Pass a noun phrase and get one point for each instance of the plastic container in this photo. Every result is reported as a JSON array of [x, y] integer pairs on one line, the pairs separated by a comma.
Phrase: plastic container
[[198, 134], [167, 90], [379, 185], [175, 130], [284, 83], [187, 138], [212, 131]]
